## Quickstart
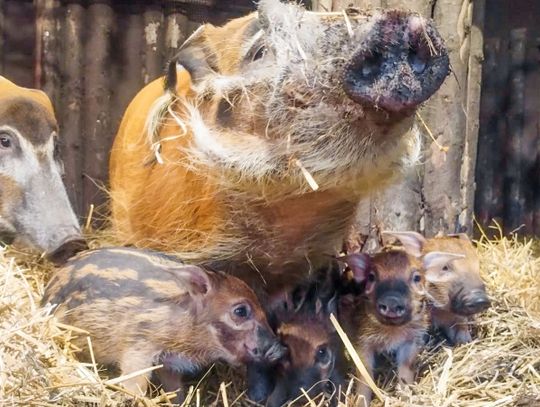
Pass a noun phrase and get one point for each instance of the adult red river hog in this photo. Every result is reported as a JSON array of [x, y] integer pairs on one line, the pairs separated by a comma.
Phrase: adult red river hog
[[261, 144], [34, 207]]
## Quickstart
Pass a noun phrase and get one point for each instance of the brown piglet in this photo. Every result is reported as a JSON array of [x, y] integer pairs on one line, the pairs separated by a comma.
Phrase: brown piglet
[[456, 289], [143, 308], [314, 361], [389, 315]]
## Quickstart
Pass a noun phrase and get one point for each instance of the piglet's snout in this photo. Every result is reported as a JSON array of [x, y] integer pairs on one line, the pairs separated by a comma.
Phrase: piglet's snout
[[473, 303], [268, 347], [392, 306], [401, 62], [68, 248]]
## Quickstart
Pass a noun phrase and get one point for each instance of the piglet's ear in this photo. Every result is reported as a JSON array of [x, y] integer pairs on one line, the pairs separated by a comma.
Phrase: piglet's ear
[[435, 261], [413, 242], [359, 264], [196, 279]]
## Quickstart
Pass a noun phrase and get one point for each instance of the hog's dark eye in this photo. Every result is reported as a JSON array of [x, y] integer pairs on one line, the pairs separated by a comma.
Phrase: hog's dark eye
[[417, 278], [5, 140], [371, 277], [322, 355], [259, 53], [241, 311], [445, 268]]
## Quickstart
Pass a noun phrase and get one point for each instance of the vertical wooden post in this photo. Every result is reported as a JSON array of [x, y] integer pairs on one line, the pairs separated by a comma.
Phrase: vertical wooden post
[[47, 30], [175, 31], [129, 40], [97, 134], [447, 121], [472, 117], [489, 143], [153, 38], [514, 198], [72, 90]]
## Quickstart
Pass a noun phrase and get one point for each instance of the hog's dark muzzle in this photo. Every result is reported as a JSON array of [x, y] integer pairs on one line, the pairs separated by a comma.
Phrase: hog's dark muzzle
[[399, 65]]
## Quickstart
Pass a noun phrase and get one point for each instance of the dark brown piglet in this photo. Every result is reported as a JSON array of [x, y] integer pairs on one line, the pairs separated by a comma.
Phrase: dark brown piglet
[[142, 308], [314, 361], [456, 289], [390, 314]]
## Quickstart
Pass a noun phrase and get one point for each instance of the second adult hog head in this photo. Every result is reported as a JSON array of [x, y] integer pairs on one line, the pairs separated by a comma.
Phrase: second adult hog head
[[330, 91]]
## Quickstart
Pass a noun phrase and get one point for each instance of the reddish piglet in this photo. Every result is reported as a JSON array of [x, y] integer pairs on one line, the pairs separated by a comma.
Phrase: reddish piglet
[[456, 289], [390, 314], [142, 308]]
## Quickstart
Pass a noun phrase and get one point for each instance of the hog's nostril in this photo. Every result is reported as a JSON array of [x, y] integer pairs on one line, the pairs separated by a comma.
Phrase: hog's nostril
[[417, 62], [400, 310], [372, 65], [383, 308]]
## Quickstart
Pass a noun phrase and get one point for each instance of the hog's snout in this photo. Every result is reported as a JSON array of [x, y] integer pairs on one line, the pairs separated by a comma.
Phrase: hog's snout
[[473, 303], [400, 64]]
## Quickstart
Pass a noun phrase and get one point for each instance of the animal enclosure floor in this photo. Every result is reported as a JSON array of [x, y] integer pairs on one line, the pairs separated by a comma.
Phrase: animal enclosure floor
[[500, 368]]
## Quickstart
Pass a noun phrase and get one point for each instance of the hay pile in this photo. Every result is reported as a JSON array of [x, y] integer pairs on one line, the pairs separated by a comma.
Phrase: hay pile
[[500, 368]]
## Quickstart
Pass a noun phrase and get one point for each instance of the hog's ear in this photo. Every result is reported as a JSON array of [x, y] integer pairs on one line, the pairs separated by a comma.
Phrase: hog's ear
[[461, 236], [359, 264], [413, 242], [434, 263], [196, 279], [193, 57]]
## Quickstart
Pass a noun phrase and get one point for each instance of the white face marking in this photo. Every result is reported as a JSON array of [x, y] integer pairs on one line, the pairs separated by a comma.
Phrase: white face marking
[[21, 168]]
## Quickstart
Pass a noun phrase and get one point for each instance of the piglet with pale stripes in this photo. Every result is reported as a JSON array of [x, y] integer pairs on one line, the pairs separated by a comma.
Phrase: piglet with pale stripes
[[143, 308]]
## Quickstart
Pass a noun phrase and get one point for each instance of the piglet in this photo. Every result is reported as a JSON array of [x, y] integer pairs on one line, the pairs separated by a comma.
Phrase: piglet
[[315, 357], [456, 289], [143, 308], [389, 315]]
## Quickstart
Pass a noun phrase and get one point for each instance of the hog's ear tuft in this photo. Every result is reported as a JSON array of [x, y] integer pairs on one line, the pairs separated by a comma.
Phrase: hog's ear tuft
[[435, 261], [413, 242], [193, 57]]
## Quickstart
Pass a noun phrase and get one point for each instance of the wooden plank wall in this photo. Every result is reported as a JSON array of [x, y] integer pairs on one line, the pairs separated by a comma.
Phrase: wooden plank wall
[[508, 171]]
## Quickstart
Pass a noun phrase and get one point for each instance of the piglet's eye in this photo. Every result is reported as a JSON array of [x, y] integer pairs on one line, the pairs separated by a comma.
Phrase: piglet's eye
[[241, 311], [371, 277], [322, 355], [417, 278], [5, 141], [445, 268]]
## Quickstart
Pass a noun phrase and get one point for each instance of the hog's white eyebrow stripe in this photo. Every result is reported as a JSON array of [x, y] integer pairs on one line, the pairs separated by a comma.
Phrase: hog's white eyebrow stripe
[[258, 35]]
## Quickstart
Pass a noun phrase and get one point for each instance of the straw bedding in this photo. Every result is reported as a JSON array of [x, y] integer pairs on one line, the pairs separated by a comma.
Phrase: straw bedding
[[500, 368]]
